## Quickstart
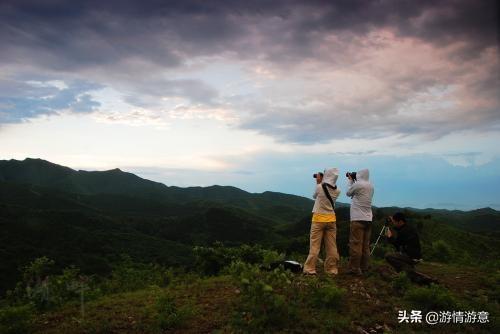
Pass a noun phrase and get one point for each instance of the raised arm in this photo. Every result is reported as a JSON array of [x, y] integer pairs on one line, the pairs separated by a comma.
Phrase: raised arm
[[352, 189], [316, 191], [335, 194]]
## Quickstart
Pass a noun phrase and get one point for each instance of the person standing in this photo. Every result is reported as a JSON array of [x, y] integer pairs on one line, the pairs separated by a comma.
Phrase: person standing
[[361, 192], [323, 224]]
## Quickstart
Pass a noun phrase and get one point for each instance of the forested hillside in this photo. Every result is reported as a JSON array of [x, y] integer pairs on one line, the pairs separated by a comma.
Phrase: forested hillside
[[105, 224]]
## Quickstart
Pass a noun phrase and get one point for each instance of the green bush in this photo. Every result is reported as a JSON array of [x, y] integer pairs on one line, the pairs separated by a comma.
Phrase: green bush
[[266, 301], [67, 286], [329, 296], [45, 290], [492, 281], [401, 282], [34, 285], [434, 297], [128, 275], [171, 316], [335, 323], [441, 251], [16, 319], [212, 260], [38, 269]]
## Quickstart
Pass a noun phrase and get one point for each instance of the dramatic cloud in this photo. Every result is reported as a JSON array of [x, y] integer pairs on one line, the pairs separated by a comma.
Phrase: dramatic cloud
[[20, 100], [309, 71], [397, 86]]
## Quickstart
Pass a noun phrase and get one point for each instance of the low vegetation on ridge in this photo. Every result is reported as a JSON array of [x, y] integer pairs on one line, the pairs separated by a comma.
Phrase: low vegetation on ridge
[[114, 253]]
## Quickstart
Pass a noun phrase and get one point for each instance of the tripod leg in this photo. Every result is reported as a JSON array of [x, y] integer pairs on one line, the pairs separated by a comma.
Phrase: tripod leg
[[376, 242]]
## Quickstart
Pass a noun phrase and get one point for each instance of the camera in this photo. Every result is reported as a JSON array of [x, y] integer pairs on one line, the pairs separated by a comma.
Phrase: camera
[[351, 174], [388, 222], [316, 175]]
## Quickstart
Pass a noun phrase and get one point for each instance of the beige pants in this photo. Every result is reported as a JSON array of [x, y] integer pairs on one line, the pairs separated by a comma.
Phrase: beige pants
[[359, 246], [326, 232]]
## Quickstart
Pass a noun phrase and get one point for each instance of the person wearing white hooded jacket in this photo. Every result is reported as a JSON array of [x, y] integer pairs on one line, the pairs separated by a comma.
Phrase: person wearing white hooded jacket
[[323, 224], [361, 191]]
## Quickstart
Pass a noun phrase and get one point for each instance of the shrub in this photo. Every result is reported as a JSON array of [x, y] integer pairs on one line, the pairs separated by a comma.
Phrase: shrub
[[128, 275], [492, 280], [212, 260], [434, 297], [336, 324], [67, 286], [466, 258], [36, 270], [401, 282], [171, 316], [44, 290], [33, 286], [328, 296], [265, 302], [16, 319], [441, 251]]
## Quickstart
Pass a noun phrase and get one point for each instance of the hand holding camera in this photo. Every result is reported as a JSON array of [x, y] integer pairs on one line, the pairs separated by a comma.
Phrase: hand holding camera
[[318, 177], [388, 233], [351, 176], [388, 223]]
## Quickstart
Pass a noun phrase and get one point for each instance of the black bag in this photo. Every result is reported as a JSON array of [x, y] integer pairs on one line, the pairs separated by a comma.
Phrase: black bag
[[325, 186], [292, 266]]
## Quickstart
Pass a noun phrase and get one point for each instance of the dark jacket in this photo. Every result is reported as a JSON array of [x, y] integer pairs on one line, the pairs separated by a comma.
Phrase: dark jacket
[[407, 241]]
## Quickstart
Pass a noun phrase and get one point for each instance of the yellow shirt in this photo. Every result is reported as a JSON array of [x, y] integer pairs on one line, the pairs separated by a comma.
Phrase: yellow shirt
[[324, 218]]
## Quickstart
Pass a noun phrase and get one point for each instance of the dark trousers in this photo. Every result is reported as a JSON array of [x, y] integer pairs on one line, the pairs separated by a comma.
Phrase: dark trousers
[[402, 262], [359, 246]]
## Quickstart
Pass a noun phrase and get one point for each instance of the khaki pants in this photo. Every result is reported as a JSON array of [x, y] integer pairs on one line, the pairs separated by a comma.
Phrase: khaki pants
[[359, 246], [326, 232]]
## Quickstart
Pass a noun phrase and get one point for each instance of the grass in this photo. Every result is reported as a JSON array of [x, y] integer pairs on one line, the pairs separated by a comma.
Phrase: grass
[[370, 303], [138, 312]]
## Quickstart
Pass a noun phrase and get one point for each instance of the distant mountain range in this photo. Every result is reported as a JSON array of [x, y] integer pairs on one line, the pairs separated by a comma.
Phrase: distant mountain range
[[90, 218], [43, 173]]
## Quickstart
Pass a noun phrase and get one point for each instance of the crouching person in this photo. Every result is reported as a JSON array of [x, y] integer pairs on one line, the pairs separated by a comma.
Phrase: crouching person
[[407, 243], [323, 225]]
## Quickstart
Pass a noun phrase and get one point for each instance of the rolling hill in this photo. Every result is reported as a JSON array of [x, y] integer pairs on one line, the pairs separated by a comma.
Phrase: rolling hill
[[90, 219], [42, 173]]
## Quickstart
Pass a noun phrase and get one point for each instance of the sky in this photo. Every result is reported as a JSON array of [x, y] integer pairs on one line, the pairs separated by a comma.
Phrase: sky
[[260, 94]]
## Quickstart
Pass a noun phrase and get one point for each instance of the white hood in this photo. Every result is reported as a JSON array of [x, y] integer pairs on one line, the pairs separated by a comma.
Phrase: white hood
[[361, 193], [363, 174], [330, 176], [322, 203]]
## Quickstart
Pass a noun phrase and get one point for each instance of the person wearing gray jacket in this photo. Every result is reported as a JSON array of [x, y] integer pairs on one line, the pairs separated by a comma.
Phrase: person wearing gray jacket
[[361, 192], [323, 223]]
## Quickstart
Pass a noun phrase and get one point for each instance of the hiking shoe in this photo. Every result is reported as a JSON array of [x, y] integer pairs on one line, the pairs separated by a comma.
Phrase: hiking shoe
[[354, 273]]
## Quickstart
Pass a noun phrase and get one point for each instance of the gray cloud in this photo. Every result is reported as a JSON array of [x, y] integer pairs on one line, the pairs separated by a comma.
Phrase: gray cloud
[[130, 45], [20, 100], [66, 34], [150, 90]]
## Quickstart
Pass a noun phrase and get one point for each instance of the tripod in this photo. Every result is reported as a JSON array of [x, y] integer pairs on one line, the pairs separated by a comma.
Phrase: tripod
[[382, 231]]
